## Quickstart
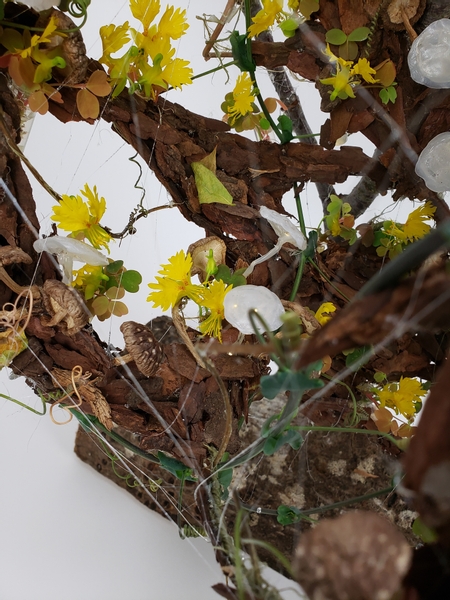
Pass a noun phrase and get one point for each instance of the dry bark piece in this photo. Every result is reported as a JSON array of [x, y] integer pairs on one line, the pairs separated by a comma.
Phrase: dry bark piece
[[72, 45], [65, 306], [9, 256], [358, 555], [200, 250], [142, 347]]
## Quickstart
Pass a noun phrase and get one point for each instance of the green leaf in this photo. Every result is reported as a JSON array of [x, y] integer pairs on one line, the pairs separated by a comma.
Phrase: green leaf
[[312, 244], [291, 437], [176, 467], [379, 376], [359, 35], [349, 50], [239, 51], [271, 385], [384, 96], [356, 354], [131, 280], [285, 123], [235, 279], [209, 188], [392, 93], [113, 267], [425, 533], [289, 27], [336, 37], [287, 515], [264, 124]]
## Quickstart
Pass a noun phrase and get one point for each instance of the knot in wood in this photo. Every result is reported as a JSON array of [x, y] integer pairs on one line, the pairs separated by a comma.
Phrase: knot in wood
[[65, 307], [142, 346]]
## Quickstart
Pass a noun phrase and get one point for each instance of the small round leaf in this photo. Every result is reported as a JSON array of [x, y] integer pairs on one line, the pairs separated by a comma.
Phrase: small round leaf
[[336, 37], [131, 280]]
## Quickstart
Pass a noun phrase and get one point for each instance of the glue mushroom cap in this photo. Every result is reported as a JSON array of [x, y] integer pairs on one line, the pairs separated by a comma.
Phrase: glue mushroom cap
[[284, 228], [142, 346], [199, 251], [69, 249], [240, 300]]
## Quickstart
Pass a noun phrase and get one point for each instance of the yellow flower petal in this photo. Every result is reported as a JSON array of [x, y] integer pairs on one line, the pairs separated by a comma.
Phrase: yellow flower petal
[[145, 11], [323, 312]]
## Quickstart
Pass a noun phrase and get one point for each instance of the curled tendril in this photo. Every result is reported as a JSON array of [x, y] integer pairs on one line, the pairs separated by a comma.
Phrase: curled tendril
[[76, 374], [78, 8], [11, 317]]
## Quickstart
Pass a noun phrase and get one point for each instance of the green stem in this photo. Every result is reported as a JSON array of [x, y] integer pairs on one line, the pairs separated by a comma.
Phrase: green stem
[[388, 436], [248, 22], [352, 395], [33, 410], [298, 203], [322, 509], [91, 424], [298, 277], [219, 68]]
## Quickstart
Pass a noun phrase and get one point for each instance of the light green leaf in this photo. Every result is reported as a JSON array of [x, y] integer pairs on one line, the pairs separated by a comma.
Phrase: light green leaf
[[359, 35], [335, 37], [209, 188]]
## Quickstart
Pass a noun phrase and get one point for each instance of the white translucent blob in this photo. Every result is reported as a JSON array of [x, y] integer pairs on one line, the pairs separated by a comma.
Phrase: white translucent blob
[[287, 233], [239, 301], [69, 249], [434, 163], [429, 57]]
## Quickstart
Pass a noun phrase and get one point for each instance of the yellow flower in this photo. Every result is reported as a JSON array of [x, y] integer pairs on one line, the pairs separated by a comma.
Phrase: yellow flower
[[323, 312], [75, 215], [175, 283], [41, 39], [364, 69], [88, 280], [340, 82], [145, 11], [402, 396], [177, 73], [243, 98], [212, 299], [266, 17], [173, 24], [113, 39], [415, 228]]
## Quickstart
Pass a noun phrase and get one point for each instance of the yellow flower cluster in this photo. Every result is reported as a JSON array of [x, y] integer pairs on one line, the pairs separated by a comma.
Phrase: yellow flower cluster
[[347, 75], [242, 98], [148, 66], [393, 237], [82, 218], [404, 396], [266, 17], [175, 284]]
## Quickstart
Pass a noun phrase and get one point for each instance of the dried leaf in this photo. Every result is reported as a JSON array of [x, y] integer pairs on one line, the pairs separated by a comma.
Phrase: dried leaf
[[98, 84], [38, 102], [386, 73], [87, 104]]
